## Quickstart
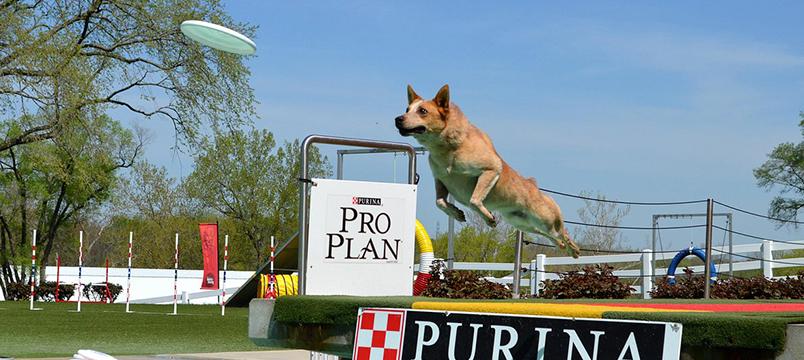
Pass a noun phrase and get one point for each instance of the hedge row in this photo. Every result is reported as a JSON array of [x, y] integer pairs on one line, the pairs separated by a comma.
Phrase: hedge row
[[46, 291]]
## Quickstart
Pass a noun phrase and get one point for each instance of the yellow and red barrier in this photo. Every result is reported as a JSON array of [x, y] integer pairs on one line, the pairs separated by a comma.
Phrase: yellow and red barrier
[[426, 257], [285, 285]]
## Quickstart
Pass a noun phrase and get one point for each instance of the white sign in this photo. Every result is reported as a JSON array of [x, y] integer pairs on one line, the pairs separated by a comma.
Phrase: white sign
[[361, 238]]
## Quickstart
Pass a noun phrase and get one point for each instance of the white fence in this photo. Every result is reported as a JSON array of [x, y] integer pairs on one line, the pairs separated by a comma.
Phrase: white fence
[[538, 272], [155, 286], [152, 286]]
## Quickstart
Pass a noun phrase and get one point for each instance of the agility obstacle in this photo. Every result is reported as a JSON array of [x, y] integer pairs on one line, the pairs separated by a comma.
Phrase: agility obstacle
[[128, 272], [80, 266], [105, 293], [671, 270], [176, 276], [225, 263], [33, 272], [426, 258]]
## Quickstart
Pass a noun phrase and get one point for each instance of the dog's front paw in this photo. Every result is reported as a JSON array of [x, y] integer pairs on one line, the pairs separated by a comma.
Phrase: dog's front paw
[[491, 221]]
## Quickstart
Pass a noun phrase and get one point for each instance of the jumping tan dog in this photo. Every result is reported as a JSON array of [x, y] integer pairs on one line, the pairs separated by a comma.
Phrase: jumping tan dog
[[466, 165]]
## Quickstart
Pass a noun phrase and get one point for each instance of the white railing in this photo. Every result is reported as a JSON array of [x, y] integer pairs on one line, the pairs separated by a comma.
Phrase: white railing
[[644, 274]]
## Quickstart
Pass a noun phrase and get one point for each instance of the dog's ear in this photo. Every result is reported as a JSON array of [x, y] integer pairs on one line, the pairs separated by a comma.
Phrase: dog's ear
[[442, 98], [412, 95]]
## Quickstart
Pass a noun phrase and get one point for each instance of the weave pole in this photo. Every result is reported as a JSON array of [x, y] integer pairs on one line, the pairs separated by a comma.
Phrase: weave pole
[[58, 282], [128, 281], [80, 266], [176, 275], [33, 271], [271, 284], [108, 293], [225, 263]]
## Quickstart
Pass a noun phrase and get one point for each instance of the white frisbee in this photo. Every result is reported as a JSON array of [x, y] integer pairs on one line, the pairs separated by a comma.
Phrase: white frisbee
[[92, 355], [218, 37]]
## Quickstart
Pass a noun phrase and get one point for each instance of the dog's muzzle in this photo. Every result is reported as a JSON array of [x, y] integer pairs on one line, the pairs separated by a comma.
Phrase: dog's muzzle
[[400, 120]]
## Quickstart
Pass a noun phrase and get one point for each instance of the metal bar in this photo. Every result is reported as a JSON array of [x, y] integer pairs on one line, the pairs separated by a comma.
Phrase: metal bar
[[339, 170], [708, 262], [731, 247], [653, 242], [305, 186], [517, 265], [418, 149], [450, 241], [688, 216]]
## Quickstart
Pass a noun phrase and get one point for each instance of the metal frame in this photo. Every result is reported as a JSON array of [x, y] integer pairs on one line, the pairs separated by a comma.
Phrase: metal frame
[[389, 146], [709, 215], [420, 150]]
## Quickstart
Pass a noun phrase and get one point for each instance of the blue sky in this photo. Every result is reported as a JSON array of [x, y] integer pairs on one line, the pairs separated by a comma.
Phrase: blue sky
[[637, 101]]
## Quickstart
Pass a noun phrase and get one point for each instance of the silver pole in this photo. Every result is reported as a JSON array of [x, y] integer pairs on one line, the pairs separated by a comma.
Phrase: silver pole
[[708, 262], [340, 166], [517, 265], [655, 225], [450, 241], [731, 247], [305, 185]]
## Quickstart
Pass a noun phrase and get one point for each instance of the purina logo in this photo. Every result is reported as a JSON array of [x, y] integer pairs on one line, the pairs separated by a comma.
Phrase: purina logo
[[366, 201]]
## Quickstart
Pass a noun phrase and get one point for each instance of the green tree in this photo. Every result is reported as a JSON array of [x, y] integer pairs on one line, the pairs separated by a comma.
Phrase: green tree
[[784, 169], [477, 242], [47, 184], [64, 63], [246, 178], [155, 207], [150, 193]]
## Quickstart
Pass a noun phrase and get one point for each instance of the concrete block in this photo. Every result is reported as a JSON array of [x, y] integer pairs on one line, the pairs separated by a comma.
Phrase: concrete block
[[260, 312]]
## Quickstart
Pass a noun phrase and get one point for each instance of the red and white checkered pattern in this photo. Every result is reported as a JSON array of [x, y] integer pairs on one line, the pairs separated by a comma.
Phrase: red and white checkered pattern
[[379, 335]]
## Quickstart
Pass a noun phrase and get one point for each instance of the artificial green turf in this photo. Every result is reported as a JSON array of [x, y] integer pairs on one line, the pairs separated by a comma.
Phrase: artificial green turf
[[54, 331], [765, 331]]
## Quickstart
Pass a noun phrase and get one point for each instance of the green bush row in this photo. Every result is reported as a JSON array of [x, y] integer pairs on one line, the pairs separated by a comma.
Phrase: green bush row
[[46, 291], [689, 286]]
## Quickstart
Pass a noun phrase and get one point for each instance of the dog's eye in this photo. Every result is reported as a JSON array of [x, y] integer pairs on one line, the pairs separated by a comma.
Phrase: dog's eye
[[422, 111]]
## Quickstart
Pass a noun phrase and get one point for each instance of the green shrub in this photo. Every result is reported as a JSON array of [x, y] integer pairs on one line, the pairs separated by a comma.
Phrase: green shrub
[[46, 291], [97, 292], [594, 282], [459, 284], [689, 286], [18, 291]]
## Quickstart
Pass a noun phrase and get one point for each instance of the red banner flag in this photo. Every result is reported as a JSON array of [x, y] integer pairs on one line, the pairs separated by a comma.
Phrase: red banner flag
[[209, 248]]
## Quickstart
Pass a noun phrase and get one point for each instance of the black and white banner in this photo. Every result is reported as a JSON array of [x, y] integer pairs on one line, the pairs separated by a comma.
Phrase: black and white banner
[[390, 334]]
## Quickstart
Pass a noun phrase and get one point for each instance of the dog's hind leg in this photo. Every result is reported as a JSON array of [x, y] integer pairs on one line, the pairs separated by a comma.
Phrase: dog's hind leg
[[574, 250], [444, 205], [561, 238], [485, 183]]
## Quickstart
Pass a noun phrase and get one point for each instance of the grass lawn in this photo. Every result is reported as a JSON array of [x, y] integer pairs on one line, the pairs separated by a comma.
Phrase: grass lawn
[[54, 331]]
